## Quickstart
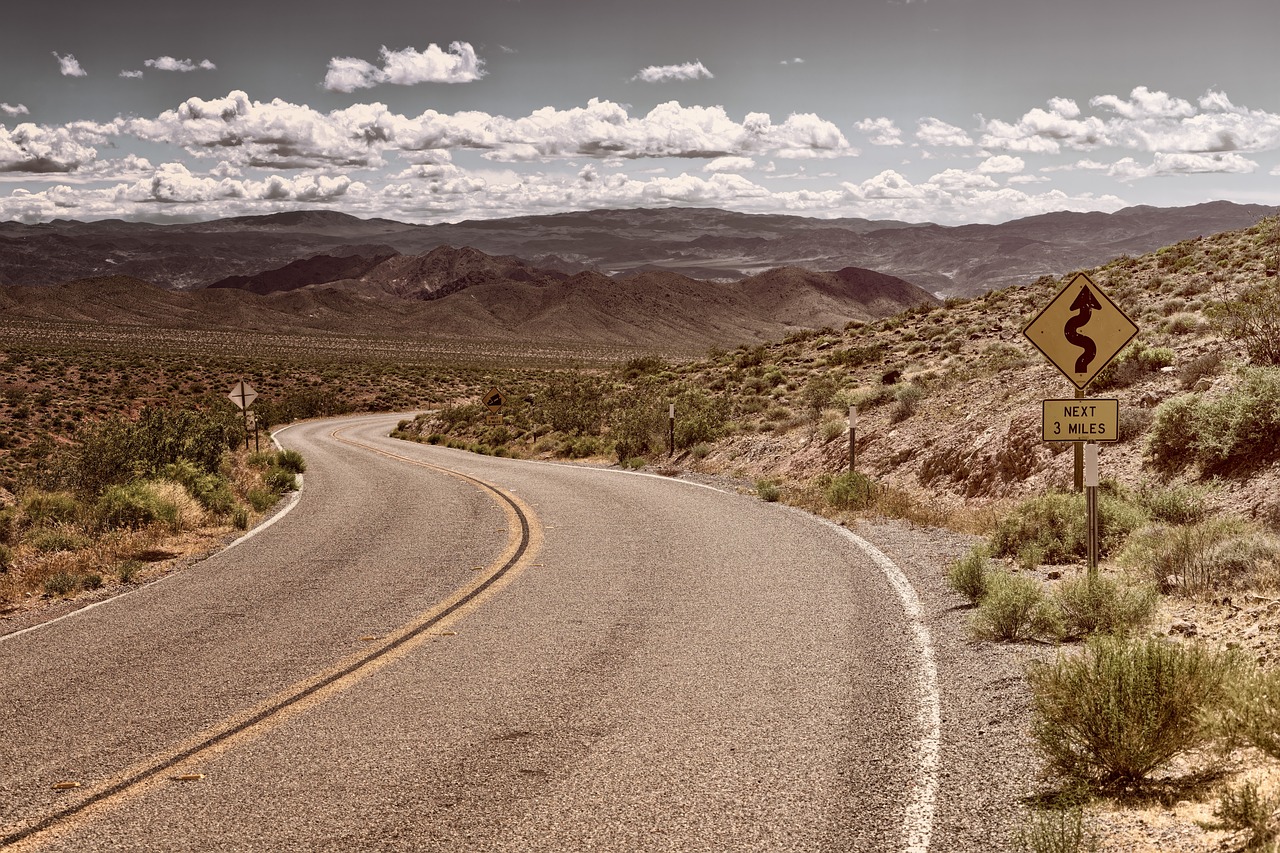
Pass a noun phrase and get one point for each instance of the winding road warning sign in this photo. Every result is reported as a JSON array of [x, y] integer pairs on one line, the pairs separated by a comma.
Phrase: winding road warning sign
[[1081, 330]]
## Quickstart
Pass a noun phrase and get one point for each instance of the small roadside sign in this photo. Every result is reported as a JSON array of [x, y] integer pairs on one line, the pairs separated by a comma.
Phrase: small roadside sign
[[242, 394], [494, 399], [1080, 330], [1081, 420], [493, 420]]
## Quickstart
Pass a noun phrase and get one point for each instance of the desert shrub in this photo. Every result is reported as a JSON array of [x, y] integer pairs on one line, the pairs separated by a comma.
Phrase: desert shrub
[[1253, 318], [291, 460], [1132, 422], [1246, 809], [699, 418], [240, 518], [1133, 363], [969, 574], [51, 540], [851, 491], [1174, 504], [1121, 709], [62, 583], [638, 425], [1201, 367], [280, 479], [1251, 712], [261, 499], [132, 507], [1233, 433], [213, 491], [906, 398], [1195, 558], [873, 398], [1053, 528], [573, 403], [1014, 608], [833, 429], [818, 393], [1103, 605], [768, 490], [856, 356], [1055, 830], [645, 365], [128, 571], [118, 450], [6, 558], [41, 507]]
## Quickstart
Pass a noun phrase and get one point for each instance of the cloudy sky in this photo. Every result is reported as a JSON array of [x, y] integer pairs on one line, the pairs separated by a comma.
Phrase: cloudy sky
[[950, 111]]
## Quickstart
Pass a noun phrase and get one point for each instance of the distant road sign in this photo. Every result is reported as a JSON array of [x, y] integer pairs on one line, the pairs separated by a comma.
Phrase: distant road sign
[[1080, 330], [1081, 420], [494, 399], [242, 394]]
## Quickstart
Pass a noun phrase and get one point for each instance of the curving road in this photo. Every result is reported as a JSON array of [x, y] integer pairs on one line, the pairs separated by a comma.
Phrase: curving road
[[440, 651]]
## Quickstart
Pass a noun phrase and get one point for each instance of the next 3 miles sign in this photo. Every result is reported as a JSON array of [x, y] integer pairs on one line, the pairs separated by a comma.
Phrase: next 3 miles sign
[[1079, 332]]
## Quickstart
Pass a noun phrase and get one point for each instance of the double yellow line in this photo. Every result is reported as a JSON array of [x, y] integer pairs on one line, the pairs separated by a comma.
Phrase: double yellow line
[[524, 539]]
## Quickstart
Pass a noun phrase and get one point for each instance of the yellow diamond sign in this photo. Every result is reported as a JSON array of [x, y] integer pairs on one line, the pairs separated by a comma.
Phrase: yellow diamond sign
[[1080, 330]]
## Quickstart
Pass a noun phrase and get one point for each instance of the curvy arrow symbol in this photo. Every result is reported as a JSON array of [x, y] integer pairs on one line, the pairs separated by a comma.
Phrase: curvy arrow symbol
[[1084, 305]]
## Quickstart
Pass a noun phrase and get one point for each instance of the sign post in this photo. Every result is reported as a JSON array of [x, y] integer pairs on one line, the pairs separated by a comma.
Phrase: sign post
[[243, 395], [671, 430], [853, 437], [1091, 504]]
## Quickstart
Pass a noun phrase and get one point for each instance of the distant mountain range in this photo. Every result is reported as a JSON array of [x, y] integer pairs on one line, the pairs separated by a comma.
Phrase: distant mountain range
[[700, 243], [464, 294]]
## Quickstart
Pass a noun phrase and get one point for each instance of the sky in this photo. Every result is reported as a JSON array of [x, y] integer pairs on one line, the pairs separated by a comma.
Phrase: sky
[[947, 111]]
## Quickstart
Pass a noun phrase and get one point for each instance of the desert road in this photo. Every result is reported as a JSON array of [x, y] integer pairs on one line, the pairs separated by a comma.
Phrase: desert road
[[434, 650]]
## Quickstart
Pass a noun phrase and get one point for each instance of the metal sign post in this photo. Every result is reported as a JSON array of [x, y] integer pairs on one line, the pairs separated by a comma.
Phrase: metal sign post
[[853, 437], [1091, 504], [671, 430]]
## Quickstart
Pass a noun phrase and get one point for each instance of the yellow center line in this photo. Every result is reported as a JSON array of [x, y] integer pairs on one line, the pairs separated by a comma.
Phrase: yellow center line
[[524, 539]]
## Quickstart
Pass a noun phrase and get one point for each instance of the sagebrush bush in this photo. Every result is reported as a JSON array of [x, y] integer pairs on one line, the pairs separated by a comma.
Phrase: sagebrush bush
[[1056, 830], [768, 490], [1014, 608], [1121, 709], [1251, 712], [1103, 605], [291, 460], [1232, 433], [41, 507], [850, 491], [1253, 318], [1247, 809], [1194, 558], [968, 574], [132, 507], [1053, 528], [213, 491]]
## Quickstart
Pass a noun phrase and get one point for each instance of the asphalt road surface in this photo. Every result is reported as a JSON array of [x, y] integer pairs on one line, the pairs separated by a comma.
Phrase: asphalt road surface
[[440, 651]]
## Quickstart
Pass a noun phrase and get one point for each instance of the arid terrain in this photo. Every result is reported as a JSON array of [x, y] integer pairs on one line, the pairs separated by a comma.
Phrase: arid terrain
[[948, 393]]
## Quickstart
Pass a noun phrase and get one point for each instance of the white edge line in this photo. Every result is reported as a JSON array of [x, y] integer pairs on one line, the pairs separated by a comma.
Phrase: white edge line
[[276, 516], [919, 813]]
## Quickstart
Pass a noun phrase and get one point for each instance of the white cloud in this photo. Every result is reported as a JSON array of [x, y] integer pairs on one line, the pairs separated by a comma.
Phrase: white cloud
[[880, 131], [42, 150], [407, 67], [666, 73], [131, 75], [1182, 163], [933, 131], [1002, 164], [168, 63], [69, 66], [729, 164], [1145, 104], [14, 109], [796, 61]]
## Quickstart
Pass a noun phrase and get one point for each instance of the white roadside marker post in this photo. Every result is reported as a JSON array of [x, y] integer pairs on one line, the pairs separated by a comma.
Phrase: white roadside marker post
[[853, 436]]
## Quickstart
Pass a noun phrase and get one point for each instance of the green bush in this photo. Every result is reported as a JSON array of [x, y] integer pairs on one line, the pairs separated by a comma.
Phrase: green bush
[[1195, 558], [1231, 434], [1055, 830], [1103, 605], [212, 491], [969, 574], [119, 450], [40, 507], [1174, 504], [291, 460], [1053, 528], [851, 491], [62, 584], [280, 479], [1014, 608], [1251, 712], [262, 499], [132, 507], [50, 540], [768, 490], [573, 403], [1246, 809], [1121, 709], [1253, 318]]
